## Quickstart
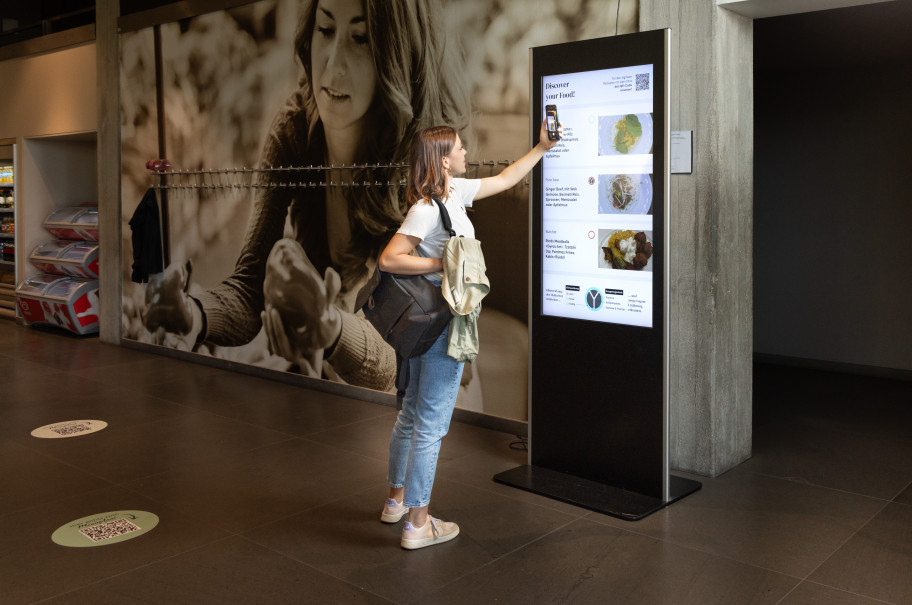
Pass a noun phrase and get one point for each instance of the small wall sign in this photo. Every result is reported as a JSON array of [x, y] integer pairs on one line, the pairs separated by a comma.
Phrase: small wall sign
[[681, 152]]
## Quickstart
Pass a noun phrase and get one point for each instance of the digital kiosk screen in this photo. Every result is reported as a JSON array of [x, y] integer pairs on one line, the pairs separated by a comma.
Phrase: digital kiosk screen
[[597, 197], [598, 302]]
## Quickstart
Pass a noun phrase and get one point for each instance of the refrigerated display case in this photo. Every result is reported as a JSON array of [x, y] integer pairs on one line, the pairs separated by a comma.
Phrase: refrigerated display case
[[67, 302], [74, 222], [66, 257]]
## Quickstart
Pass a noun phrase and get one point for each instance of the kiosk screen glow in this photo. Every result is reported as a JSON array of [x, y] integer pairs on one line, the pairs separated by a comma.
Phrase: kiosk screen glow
[[597, 197]]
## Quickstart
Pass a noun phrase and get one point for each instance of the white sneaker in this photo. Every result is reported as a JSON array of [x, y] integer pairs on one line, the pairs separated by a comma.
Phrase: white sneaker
[[393, 511], [434, 531]]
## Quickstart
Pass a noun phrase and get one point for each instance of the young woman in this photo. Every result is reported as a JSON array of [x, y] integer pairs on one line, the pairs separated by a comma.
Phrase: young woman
[[437, 158], [373, 75]]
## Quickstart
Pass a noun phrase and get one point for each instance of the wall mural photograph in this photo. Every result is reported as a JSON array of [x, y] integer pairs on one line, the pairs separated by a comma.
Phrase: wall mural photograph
[[287, 124]]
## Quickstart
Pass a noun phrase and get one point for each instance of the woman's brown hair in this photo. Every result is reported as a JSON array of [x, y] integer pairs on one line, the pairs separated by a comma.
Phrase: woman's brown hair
[[427, 178]]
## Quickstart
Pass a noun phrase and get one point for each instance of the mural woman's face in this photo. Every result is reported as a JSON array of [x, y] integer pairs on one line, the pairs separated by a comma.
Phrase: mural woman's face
[[344, 78]]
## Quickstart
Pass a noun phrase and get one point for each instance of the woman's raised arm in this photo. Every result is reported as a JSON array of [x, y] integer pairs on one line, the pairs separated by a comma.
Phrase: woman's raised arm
[[513, 173]]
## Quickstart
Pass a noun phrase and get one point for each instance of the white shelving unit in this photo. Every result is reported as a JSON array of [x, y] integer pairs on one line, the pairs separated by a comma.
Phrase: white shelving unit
[[50, 172], [54, 172]]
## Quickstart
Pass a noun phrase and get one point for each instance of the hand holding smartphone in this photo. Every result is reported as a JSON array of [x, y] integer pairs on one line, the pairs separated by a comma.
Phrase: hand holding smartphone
[[552, 122]]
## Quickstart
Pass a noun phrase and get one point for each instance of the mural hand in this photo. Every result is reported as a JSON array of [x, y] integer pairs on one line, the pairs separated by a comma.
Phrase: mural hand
[[303, 301], [310, 364], [330, 324], [167, 304], [279, 343]]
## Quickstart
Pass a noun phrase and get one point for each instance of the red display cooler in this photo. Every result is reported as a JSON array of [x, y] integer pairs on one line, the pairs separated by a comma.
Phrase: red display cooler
[[74, 222], [67, 302], [65, 257]]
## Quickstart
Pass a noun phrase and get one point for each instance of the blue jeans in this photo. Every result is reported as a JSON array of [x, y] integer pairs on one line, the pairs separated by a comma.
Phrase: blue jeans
[[423, 421]]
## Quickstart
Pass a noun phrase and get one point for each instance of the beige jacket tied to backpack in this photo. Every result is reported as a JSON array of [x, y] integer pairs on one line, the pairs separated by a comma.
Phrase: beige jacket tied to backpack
[[464, 285]]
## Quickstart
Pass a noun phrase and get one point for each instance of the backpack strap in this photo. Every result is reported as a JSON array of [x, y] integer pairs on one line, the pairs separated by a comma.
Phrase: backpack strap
[[445, 217], [402, 379]]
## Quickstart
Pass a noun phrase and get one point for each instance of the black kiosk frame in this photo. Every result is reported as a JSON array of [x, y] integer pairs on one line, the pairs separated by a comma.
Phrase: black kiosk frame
[[599, 368]]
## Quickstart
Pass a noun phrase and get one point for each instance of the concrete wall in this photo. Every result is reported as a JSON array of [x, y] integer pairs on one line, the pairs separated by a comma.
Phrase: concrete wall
[[711, 234], [109, 209]]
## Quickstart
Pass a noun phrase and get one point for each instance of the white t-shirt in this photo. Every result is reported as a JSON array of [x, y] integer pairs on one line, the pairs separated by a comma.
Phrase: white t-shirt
[[423, 220]]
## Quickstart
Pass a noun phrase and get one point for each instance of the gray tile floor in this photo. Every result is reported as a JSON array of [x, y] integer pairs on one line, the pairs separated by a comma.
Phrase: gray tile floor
[[270, 493]]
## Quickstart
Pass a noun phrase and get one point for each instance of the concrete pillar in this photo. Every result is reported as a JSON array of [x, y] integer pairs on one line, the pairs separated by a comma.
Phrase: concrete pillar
[[107, 49], [711, 234]]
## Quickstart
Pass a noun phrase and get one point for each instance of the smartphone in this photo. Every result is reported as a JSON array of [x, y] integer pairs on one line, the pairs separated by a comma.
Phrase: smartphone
[[551, 126]]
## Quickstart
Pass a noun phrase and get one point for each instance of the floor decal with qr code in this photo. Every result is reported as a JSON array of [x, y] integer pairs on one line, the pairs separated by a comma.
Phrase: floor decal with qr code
[[105, 528], [69, 428]]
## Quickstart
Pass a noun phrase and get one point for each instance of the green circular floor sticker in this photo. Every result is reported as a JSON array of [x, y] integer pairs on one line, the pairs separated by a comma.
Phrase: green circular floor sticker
[[105, 528], [69, 428]]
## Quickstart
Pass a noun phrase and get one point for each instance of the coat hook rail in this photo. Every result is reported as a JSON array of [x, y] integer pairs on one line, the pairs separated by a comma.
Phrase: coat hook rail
[[166, 176]]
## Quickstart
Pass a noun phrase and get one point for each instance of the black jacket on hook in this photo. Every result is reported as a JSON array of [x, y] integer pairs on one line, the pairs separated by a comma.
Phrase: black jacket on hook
[[147, 241]]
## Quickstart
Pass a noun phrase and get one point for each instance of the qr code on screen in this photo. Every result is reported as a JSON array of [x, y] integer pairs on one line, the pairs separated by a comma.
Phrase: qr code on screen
[[111, 529], [71, 429], [642, 82]]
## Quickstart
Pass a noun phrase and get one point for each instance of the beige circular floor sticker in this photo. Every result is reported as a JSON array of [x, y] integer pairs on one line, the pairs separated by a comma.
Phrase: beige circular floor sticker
[[105, 528], [69, 428]]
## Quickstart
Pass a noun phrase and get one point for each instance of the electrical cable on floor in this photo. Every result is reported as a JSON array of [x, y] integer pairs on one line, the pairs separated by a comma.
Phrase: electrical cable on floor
[[521, 444]]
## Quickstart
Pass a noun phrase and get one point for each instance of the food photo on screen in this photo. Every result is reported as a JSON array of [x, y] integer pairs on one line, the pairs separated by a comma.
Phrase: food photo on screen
[[625, 249], [629, 134], [625, 194]]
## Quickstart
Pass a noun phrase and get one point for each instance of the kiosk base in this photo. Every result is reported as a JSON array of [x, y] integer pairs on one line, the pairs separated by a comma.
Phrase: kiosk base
[[599, 497]]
